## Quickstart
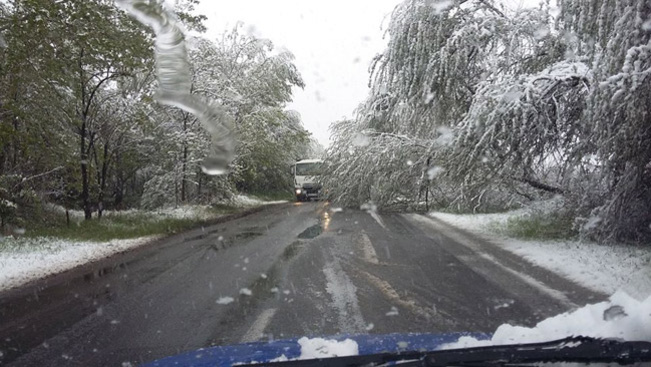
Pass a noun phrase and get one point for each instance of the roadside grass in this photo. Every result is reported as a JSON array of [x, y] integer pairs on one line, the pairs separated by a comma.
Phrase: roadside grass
[[273, 196], [123, 225], [537, 227]]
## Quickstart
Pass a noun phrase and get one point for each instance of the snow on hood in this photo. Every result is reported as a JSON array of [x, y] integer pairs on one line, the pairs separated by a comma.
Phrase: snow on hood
[[622, 317], [323, 348]]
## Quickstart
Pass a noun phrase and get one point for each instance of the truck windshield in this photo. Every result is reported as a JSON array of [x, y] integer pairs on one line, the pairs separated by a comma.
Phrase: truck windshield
[[308, 169]]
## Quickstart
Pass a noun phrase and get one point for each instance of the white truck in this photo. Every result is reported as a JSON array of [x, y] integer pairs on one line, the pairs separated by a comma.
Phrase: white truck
[[306, 176]]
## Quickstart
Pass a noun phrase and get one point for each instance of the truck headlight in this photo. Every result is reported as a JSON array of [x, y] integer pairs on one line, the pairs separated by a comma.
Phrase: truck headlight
[[298, 191]]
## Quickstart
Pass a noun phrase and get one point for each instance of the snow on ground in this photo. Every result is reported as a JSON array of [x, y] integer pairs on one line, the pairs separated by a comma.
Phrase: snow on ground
[[47, 256], [199, 212], [621, 317], [603, 268], [25, 259], [244, 201]]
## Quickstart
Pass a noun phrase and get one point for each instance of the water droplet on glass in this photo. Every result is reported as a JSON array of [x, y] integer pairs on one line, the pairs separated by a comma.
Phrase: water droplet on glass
[[393, 312], [541, 32], [434, 171], [440, 6], [614, 313], [224, 300], [175, 80], [647, 25], [214, 166], [246, 292], [361, 140]]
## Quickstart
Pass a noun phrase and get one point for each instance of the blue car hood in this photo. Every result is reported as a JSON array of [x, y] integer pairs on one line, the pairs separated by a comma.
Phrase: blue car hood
[[266, 351]]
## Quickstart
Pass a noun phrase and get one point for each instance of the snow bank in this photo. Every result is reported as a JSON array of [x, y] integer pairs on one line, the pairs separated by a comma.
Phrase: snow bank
[[27, 259], [622, 317], [602, 268]]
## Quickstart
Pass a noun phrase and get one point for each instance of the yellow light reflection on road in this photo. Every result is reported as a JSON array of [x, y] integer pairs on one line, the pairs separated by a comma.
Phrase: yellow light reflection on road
[[326, 220]]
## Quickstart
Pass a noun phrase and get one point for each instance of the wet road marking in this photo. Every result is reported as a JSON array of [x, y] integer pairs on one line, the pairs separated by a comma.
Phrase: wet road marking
[[555, 294], [406, 302], [256, 331], [344, 299], [370, 255], [377, 218], [527, 279]]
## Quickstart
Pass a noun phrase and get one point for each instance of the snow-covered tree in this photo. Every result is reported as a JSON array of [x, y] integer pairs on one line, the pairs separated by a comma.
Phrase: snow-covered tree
[[615, 36], [253, 83], [483, 107]]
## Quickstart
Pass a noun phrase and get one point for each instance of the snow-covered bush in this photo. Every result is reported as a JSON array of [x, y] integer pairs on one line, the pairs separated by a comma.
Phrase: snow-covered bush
[[18, 202]]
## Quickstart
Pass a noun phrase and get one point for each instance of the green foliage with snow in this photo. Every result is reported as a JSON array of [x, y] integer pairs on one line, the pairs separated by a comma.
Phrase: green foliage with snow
[[79, 117]]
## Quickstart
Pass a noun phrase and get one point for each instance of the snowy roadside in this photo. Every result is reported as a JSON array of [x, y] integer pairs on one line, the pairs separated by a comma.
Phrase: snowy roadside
[[247, 201], [48, 256], [621, 317], [198, 212], [602, 268], [26, 259]]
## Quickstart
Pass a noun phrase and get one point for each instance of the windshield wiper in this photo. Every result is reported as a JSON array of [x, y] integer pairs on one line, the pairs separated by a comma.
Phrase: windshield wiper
[[574, 350]]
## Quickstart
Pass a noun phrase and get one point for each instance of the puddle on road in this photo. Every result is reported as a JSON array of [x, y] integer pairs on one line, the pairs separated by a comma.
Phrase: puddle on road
[[292, 250], [311, 232], [98, 273], [239, 238], [247, 235]]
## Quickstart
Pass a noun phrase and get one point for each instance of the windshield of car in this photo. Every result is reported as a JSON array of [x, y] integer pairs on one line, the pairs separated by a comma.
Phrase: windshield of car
[[308, 169], [271, 180]]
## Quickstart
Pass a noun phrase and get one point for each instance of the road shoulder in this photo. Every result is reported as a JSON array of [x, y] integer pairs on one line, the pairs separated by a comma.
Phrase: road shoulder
[[529, 281]]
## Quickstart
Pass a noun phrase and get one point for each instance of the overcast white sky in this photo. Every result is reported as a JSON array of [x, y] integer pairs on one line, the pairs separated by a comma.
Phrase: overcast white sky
[[333, 41]]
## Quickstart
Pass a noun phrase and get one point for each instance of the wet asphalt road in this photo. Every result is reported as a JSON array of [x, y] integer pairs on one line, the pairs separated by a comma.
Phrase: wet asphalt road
[[292, 270]]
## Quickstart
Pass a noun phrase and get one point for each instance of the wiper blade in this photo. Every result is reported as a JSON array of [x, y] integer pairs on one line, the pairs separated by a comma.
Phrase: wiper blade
[[574, 350]]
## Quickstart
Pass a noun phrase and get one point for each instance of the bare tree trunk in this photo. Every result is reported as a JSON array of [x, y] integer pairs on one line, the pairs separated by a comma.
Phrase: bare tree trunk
[[119, 181], [102, 181], [200, 185], [84, 172], [183, 173], [185, 158], [83, 152]]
